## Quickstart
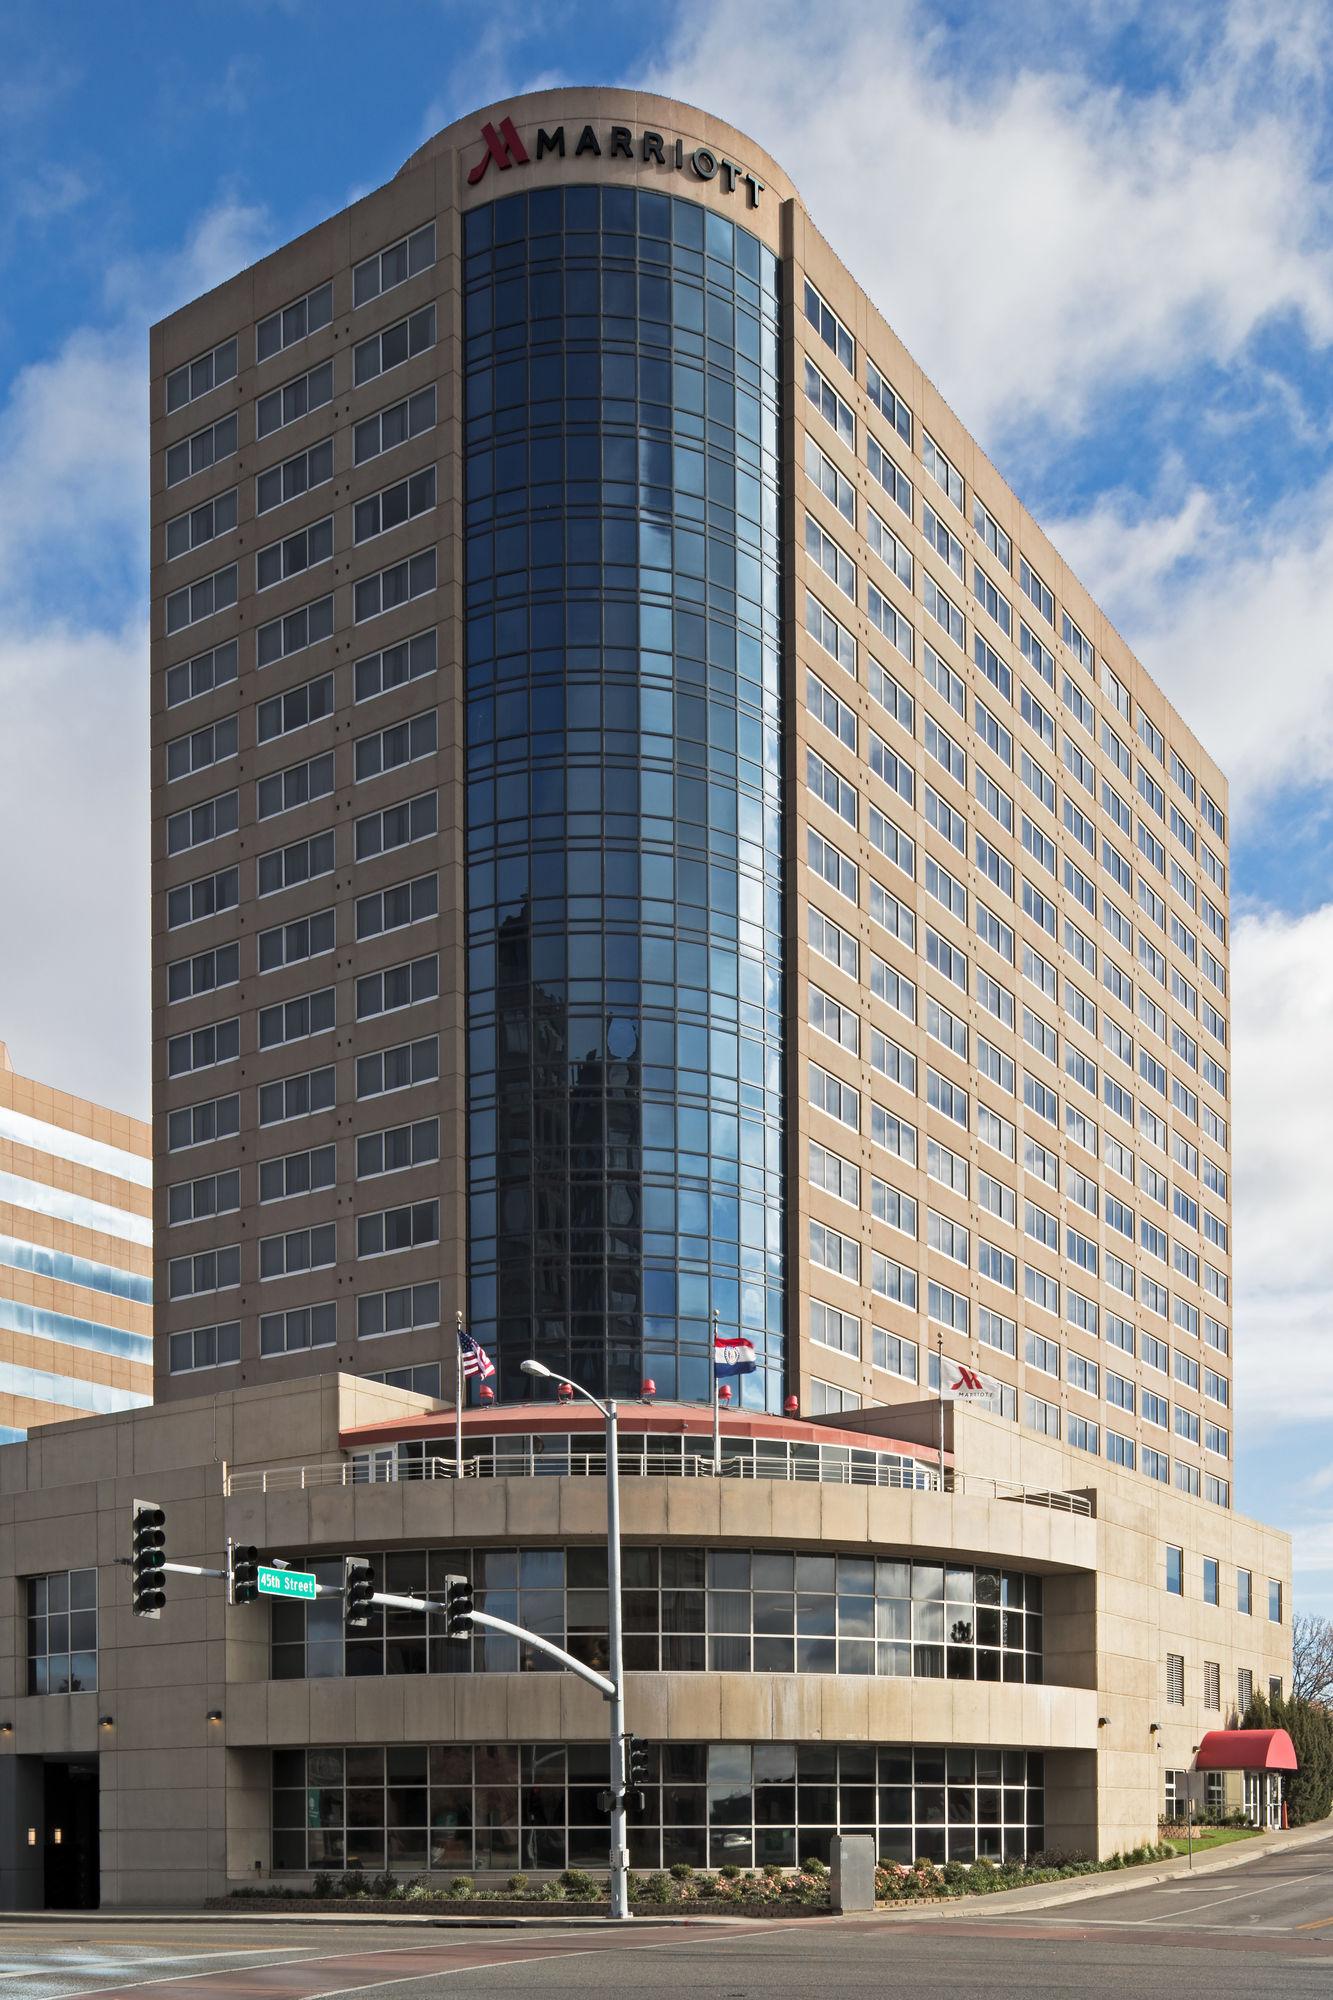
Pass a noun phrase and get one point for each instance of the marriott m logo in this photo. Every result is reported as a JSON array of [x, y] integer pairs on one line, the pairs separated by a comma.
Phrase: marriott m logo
[[503, 146]]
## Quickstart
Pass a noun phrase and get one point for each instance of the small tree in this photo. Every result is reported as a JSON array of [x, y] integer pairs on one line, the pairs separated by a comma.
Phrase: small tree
[[1309, 1789], [1312, 1657]]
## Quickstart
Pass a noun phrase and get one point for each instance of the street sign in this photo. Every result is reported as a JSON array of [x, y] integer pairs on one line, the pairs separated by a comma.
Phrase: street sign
[[286, 1582]]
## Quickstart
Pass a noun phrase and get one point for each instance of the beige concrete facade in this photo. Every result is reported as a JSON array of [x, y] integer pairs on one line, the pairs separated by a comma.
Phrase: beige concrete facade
[[76, 1315], [184, 1800]]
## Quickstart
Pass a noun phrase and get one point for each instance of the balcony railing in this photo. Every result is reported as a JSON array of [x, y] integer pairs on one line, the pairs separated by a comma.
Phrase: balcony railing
[[671, 1458]]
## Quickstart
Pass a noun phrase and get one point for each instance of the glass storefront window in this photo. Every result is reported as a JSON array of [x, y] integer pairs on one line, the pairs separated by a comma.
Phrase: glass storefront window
[[456, 1807]]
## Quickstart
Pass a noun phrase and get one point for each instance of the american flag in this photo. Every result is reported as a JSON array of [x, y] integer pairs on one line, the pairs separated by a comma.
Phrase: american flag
[[476, 1361]]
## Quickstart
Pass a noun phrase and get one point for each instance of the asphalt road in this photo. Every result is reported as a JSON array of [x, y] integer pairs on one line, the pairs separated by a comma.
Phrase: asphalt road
[[1265, 1926]]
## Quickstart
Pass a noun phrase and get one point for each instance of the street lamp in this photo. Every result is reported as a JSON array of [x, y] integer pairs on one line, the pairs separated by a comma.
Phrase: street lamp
[[619, 1836]]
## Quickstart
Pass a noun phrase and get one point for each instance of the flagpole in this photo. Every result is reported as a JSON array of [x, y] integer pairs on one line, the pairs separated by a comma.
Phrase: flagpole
[[717, 1406], [939, 1349], [458, 1401]]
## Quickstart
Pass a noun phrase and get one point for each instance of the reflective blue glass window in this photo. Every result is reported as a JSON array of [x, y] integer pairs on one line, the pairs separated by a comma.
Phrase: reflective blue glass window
[[624, 803]]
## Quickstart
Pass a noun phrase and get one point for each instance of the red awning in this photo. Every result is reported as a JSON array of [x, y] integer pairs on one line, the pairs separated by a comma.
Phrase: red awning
[[1246, 1750]]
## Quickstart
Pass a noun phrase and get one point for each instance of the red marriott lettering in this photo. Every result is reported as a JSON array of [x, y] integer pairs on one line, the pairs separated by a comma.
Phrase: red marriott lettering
[[504, 147]]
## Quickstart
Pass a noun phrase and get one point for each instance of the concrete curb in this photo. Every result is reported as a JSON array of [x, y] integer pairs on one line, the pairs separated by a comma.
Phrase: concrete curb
[[332, 1918]]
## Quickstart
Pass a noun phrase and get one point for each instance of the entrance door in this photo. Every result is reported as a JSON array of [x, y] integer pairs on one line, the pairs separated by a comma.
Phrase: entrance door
[[71, 1857], [1252, 1798]]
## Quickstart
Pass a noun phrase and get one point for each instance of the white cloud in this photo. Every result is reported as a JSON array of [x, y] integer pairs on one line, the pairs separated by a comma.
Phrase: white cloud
[[1231, 618], [1282, 1067], [74, 830], [1039, 237]]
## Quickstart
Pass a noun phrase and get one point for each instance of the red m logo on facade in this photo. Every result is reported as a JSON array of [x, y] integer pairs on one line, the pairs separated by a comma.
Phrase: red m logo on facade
[[969, 1379], [504, 147]]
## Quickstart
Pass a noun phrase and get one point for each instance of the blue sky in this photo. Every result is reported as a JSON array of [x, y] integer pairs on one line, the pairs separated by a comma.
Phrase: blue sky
[[1106, 231]]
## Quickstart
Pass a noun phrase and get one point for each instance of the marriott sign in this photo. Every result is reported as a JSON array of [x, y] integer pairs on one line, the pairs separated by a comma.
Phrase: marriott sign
[[504, 146]]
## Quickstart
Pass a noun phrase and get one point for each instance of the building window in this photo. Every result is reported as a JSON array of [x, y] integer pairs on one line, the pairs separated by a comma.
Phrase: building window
[[397, 1311], [422, 1380], [828, 1400], [1245, 1591], [197, 377], [1212, 1684], [294, 322], [1275, 1687], [205, 1347], [1211, 1581], [696, 1611], [1175, 1680], [459, 1807], [1244, 1689], [294, 400], [394, 265], [292, 1332], [196, 601], [1274, 1600], [1176, 1793], [1175, 1571], [395, 345], [62, 1632]]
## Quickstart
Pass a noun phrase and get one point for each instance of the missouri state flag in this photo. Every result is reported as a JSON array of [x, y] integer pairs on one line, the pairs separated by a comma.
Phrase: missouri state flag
[[733, 1355]]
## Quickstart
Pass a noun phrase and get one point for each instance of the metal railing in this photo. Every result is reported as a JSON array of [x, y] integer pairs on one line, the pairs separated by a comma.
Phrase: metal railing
[[820, 1464]]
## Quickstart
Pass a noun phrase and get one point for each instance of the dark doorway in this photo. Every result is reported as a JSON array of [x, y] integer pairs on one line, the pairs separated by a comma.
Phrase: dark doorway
[[71, 1858]]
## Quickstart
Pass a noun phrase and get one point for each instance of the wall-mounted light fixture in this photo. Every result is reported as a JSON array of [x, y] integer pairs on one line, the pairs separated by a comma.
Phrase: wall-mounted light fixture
[[57, 1835], [6, 1729], [1154, 1729], [1103, 1721], [32, 1836], [214, 1715], [106, 1721]]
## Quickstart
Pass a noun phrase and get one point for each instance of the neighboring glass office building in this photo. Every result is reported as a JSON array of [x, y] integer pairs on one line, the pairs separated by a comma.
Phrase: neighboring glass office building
[[646, 827], [76, 1234]]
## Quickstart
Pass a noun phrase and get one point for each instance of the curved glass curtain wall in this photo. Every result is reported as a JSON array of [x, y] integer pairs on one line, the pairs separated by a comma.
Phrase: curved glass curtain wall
[[623, 814]]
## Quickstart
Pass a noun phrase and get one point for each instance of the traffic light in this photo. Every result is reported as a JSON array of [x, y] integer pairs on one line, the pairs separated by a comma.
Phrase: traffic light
[[458, 1596], [358, 1590], [636, 1772], [243, 1576], [148, 1556]]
